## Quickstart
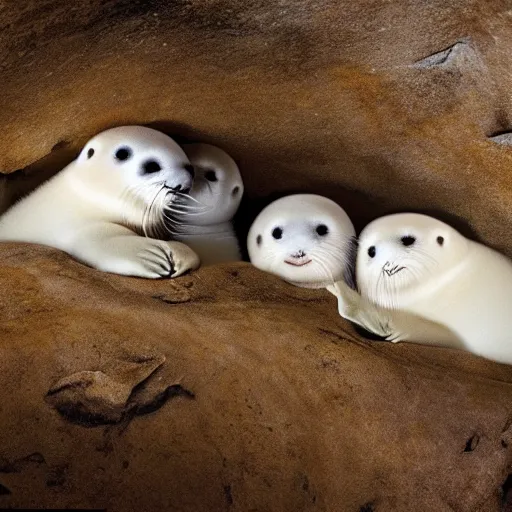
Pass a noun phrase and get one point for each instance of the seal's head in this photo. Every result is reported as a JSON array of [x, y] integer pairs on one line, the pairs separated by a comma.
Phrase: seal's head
[[135, 174], [306, 239], [400, 253], [218, 186]]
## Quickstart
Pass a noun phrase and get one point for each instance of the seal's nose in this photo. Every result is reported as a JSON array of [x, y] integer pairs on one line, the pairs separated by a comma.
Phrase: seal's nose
[[179, 180], [299, 254]]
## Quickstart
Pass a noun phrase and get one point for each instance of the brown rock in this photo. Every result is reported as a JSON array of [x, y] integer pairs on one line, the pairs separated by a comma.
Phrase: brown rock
[[100, 397], [277, 403], [382, 106]]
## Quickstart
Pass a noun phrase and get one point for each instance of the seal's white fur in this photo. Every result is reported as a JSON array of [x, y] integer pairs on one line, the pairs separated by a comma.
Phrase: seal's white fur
[[312, 246], [217, 190], [107, 207], [422, 281]]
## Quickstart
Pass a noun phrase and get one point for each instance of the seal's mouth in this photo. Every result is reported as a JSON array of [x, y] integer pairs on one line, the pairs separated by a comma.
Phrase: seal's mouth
[[298, 263], [177, 197], [177, 191], [391, 270]]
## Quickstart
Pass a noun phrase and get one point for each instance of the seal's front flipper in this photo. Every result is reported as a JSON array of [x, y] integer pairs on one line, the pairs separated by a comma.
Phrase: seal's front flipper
[[183, 258], [349, 301], [116, 249], [353, 307]]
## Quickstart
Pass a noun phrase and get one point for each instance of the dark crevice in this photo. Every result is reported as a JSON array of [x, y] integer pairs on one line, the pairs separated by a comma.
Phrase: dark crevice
[[4, 491], [77, 414], [367, 507], [367, 334], [442, 57], [472, 443], [36, 458], [503, 138], [138, 359], [161, 398], [228, 495], [19, 464], [506, 489], [61, 145]]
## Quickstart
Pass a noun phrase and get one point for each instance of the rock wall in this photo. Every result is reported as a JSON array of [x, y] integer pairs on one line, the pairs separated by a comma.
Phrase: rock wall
[[381, 105]]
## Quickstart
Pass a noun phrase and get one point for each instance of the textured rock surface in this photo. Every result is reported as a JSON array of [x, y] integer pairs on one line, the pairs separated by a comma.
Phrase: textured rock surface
[[287, 409], [265, 400], [322, 95]]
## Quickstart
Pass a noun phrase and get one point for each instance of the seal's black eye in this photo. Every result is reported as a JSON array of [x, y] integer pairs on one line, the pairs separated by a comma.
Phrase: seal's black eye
[[277, 233], [440, 240], [90, 152], [408, 240], [210, 175], [322, 230], [372, 251], [258, 239], [235, 191], [151, 166], [123, 154]]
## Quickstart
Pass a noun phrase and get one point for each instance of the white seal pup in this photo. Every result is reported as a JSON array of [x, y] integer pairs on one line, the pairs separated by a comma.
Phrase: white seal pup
[[107, 207], [217, 191], [422, 281], [306, 239]]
